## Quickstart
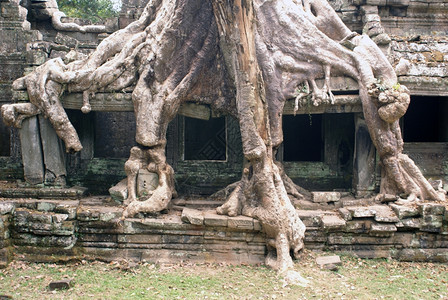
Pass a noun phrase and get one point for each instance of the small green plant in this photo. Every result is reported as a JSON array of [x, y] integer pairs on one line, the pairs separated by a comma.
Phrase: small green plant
[[396, 86]]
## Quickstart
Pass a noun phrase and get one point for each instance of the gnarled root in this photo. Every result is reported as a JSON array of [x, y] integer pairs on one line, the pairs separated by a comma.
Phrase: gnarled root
[[14, 114], [402, 176], [294, 191], [261, 194], [392, 102], [160, 198], [233, 205]]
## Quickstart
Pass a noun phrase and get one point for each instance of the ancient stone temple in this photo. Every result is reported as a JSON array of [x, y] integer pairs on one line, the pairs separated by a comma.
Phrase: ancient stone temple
[[59, 205]]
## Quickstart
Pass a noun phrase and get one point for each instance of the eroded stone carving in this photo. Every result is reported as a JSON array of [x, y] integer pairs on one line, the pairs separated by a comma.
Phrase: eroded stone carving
[[243, 58]]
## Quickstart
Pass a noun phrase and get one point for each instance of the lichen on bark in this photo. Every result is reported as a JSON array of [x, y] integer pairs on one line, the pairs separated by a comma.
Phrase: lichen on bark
[[243, 58]]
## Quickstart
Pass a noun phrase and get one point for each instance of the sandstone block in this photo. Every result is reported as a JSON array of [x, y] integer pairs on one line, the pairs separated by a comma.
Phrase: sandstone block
[[32, 156], [431, 209], [61, 284], [382, 229], [333, 222], [192, 216], [146, 182], [241, 222], [46, 206], [69, 210], [119, 192], [385, 214], [384, 198], [54, 156], [345, 214], [211, 218], [329, 262], [38, 217], [409, 223], [257, 225], [6, 208], [325, 197], [403, 211], [431, 223], [358, 226], [362, 211]]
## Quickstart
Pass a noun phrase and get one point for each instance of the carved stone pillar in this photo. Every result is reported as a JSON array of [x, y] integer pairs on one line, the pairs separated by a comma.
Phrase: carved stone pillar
[[364, 161]]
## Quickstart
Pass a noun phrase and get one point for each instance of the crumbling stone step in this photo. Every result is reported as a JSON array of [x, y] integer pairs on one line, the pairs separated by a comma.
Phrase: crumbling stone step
[[380, 213], [211, 218], [44, 193], [197, 203]]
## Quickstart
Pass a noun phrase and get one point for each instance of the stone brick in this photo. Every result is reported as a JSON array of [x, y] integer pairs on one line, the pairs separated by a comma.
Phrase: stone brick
[[403, 211], [146, 182], [384, 198], [421, 255], [69, 209], [431, 209], [46, 206], [358, 226], [362, 211], [311, 218], [241, 222], [382, 229], [211, 218], [345, 214], [409, 223], [332, 222], [65, 228], [119, 192], [32, 157], [329, 262], [192, 216], [325, 197], [6, 208], [133, 238], [315, 236], [431, 223], [40, 217], [385, 214], [257, 225], [61, 284], [54, 155]]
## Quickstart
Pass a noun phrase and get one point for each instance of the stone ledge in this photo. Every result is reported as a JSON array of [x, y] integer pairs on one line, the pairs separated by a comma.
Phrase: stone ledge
[[44, 193], [58, 230]]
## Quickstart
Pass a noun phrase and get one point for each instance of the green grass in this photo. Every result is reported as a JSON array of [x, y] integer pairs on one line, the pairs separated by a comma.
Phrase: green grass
[[356, 279]]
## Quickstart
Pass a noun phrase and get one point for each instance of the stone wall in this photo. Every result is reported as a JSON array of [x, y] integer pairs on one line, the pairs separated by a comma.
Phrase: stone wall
[[6, 213], [50, 230]]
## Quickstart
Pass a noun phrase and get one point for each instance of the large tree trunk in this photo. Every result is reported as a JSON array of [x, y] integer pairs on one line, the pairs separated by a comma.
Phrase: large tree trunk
[[261, 193], [243, 58]]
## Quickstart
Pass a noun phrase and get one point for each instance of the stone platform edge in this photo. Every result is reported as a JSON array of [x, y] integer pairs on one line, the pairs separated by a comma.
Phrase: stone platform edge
[[64, 230]]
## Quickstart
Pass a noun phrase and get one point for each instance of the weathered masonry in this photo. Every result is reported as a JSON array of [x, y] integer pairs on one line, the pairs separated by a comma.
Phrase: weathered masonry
[[62, 230], [205, 150]]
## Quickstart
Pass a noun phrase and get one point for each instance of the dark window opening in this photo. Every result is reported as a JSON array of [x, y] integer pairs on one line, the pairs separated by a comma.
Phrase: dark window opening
[[205, 139], [302, 136], [114, 134], [5, 143], [426, 120], [346, 92]]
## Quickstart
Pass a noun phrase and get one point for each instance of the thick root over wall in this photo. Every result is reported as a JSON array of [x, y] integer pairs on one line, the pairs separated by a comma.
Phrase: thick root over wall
[[243, 58]]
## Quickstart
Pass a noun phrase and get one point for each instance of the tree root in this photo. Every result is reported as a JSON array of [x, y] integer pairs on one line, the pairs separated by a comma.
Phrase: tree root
[[154, 160], [280, 221], [400, 175]]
